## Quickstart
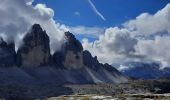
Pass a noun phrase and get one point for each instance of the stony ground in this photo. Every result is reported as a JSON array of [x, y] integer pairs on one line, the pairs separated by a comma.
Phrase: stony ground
[[134, 90], [116, 97]]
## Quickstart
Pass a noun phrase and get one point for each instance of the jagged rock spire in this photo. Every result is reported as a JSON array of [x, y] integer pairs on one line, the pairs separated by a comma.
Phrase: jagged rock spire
[[78, 66], [35, 50], [72, 43], [7, 53], [70, 56]]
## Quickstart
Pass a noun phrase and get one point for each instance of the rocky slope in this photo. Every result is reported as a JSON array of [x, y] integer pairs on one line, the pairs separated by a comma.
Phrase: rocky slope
[[33, 64]]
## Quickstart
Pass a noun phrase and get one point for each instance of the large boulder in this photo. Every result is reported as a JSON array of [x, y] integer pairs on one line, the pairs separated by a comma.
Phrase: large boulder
[[7, 54], [35, 50]]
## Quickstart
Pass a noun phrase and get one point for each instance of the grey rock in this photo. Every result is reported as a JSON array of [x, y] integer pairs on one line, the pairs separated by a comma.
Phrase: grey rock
[[111, 69], [7, 54], [81, 67], [90, 61], [71, 53], [72, 44], [35, 50], [57, 59]]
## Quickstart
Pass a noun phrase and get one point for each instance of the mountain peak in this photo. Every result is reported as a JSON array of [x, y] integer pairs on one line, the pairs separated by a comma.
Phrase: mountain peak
[[72, 43], [2, 42], [35, 50], [78, 66], [69, 36], [7, 53], [36, 28]]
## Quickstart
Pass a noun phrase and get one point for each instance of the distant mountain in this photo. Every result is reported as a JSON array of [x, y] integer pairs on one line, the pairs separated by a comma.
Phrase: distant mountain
[[34, 64], [142, 70]]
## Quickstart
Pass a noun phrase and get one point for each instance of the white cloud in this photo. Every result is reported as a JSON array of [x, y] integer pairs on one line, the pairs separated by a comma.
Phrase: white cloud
[[156, 50], [146, 24], [123, 67], [116, 45], [95, 10], [119, 45], [84, 30], [77, 13], [17, 16], [112, 47]]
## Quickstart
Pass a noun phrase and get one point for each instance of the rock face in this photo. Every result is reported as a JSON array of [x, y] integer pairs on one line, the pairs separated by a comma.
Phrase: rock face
[[7, 54], [81, 67], [70, 65], [35, 50], [90, 61], [72, 52]]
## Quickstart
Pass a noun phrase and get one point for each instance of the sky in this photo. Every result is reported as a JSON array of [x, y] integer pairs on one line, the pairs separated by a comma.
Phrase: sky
[[114, 12], [116, 31]]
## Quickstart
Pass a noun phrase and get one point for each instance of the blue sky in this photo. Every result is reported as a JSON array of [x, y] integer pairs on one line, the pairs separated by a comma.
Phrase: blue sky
[[116, 31], [116, 12]]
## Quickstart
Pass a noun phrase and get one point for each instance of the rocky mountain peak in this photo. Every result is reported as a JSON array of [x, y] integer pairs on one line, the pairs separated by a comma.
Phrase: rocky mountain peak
[[10, 45], [72, 64], [72, 43], [7, 53], [69, 36], [72, 52], [36, 28], [36, 36], [35, 50], [2, 42]]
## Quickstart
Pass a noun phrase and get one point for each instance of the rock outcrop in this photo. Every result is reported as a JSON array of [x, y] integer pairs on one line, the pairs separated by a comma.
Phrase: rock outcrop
[[7, 54], [81, 67], [72, 52], [70, 65], [90, 61], [58, 59], [35, 50]]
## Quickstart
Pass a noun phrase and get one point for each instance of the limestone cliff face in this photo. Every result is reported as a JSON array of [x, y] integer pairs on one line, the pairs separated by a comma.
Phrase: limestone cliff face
[[73, 52], [73, 61], [35, 50], [90, 61], [69, 65], [7, 54]]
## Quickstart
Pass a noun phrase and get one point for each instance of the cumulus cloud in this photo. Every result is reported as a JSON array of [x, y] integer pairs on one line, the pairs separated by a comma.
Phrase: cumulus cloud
[[114, 46], [156, 50], [17, 16], [119, 45], [147, 24]]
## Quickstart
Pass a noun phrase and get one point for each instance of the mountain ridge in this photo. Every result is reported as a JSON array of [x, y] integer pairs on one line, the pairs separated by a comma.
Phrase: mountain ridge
[[34, 64], [141, 70]]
